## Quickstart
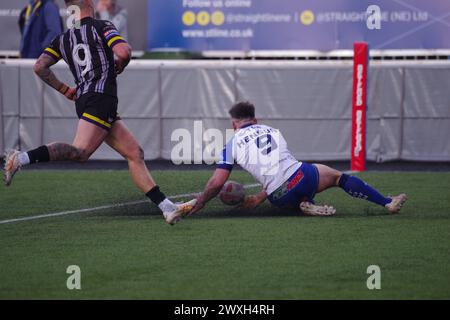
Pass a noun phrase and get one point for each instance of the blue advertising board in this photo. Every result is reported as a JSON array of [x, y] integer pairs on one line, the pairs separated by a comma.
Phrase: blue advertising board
[[202, 25]]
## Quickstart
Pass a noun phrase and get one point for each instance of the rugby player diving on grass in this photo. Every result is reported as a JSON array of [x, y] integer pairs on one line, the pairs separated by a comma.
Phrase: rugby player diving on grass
[[95, 53], [262, 151]]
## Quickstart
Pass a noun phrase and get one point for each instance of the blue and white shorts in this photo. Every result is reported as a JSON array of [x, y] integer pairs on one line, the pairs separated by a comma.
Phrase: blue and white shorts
[[301, 186]]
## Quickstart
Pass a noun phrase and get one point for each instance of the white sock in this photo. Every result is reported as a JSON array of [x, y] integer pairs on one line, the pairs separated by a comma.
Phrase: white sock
[[24, 159], [167, 206]]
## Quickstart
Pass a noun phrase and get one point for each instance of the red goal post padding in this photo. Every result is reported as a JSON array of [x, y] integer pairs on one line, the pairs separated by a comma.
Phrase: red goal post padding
[[359, 108]]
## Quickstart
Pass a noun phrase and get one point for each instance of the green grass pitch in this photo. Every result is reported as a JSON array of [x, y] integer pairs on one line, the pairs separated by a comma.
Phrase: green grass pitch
[[131, 253]]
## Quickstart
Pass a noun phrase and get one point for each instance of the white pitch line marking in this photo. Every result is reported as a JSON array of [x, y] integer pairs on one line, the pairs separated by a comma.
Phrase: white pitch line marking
[[105, 207]]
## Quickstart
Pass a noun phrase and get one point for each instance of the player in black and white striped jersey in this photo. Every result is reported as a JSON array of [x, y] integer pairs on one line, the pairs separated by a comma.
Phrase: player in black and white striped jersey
[[86, 51], [95, 53]]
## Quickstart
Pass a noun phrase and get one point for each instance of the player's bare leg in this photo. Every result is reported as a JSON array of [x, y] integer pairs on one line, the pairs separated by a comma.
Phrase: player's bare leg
[[122, 140], [329, 178], [87, 139]]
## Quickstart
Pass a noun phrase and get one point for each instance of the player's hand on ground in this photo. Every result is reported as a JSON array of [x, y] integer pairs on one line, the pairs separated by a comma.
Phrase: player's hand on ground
[[251, 202]]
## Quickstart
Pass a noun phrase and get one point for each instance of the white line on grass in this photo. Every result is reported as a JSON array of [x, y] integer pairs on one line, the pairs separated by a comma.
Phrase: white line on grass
[[105, 207]]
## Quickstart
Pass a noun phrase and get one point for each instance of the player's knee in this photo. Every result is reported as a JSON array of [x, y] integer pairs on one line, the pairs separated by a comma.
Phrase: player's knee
[[337, 178], [141, 153], [82, 155], [342, 180]]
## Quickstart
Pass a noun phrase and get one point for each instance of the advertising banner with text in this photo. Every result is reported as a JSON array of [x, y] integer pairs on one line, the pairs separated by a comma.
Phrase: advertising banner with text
[[202, 25]]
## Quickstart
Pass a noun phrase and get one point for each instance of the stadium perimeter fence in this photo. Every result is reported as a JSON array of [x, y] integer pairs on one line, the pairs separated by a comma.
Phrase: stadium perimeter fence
[[310, 101]]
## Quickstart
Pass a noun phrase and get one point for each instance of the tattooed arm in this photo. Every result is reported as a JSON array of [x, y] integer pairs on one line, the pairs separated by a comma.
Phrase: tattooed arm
[[42, 69], [212, 188]]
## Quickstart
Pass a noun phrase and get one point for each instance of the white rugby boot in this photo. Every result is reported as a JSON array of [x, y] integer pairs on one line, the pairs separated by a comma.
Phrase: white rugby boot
[[182, 210], [397, 203], [12, 165], [310, 209]]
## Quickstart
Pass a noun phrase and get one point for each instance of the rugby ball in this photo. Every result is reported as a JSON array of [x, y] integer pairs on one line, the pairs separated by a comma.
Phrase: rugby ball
[[232, 193]]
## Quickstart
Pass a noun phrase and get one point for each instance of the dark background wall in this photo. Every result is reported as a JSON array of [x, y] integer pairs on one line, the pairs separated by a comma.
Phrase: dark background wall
[[10, 9]]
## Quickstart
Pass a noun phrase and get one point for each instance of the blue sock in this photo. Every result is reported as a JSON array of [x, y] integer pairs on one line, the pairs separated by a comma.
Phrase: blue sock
[[359, 189]]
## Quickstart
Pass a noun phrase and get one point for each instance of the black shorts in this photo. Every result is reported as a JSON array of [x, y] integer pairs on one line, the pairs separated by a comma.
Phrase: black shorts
[[99, 109]]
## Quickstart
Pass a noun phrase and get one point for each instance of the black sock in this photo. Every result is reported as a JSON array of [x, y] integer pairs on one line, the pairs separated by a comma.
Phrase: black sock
[[156, 196], [40, 154]]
